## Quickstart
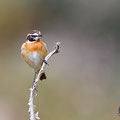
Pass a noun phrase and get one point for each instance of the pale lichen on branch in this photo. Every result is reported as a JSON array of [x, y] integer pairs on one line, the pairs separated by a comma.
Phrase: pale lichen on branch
[[34, 116]]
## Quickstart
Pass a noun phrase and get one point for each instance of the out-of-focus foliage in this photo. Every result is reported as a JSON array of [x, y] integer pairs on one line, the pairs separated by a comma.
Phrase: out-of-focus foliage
[[83, 80]]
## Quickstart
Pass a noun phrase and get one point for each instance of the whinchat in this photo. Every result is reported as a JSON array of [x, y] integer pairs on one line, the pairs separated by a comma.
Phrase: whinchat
[[34, 51]]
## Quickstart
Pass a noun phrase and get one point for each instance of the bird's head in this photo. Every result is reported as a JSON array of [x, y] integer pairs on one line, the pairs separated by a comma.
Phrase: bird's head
[[34, 36]]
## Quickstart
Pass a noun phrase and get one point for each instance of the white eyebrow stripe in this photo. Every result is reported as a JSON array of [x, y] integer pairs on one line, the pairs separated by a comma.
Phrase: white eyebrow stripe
[[33, 34]]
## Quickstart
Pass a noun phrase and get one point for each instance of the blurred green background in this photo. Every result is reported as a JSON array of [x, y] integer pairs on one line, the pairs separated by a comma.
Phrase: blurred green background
[[83, 79]]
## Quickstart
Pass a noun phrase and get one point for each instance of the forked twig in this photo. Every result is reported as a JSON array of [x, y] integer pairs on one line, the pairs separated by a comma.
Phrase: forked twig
[[34, 116]]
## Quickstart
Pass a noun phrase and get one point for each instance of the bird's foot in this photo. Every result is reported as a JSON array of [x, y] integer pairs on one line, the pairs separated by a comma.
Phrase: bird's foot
[[44, 61]]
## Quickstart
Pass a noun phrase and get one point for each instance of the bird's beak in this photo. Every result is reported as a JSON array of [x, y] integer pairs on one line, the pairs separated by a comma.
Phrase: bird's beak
[[40, 35]]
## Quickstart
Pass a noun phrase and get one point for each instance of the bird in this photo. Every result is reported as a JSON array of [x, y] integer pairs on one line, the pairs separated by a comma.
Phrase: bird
[[34, 51]]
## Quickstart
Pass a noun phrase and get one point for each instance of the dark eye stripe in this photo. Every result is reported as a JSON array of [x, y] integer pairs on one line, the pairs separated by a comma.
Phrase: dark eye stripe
[[33, 35], [31, 39]]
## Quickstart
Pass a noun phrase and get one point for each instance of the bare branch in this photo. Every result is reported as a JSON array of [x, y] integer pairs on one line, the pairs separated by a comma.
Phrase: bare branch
[[34, 116]]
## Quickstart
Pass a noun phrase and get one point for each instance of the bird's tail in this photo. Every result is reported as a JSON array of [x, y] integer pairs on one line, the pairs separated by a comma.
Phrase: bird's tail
[[43, 76]]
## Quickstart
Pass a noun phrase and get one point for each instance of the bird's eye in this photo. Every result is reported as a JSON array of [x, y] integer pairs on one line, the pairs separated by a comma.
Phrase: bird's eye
[[33, 35], [30, 38]]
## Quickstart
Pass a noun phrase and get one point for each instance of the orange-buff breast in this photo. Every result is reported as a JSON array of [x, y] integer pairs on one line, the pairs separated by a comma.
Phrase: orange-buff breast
[[29, 48], [37, 46]]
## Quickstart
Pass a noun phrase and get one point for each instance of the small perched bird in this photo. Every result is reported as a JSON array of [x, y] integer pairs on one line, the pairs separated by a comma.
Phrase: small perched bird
[[34, 51]]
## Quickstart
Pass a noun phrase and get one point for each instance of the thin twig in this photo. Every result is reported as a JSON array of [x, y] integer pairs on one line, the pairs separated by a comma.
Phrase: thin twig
[[34, 116]]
